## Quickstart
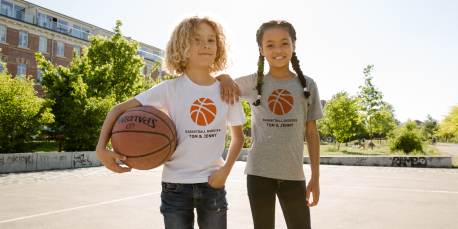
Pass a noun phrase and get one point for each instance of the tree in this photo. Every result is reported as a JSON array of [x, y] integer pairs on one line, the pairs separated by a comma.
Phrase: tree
[[107, 73], [247, 111], [342, 117], [384, 121], [406, 138], [371, 98], [430, 126], [22, 114], [448, 128]]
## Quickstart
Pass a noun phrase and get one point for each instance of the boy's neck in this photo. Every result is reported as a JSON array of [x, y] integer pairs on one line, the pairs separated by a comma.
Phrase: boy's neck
[[200, 76], [282, 74]]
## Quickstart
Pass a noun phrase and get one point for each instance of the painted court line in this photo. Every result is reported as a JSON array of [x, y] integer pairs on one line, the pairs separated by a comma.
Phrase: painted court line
[[390, 189], [70, 209]]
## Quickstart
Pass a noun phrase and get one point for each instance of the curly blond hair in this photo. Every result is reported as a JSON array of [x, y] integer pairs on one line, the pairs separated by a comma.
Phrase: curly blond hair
[[179, 47]]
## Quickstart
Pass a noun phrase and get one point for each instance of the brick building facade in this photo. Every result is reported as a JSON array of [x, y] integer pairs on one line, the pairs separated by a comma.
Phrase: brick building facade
[[26, 28]]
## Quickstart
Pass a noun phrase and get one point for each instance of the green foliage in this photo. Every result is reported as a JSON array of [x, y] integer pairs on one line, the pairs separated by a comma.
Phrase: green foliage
[[107, 73], [342, 117], [371, 98], [247, 110], [448, 128], [22, 114], [406, 138], [384, 121], [430, 126]]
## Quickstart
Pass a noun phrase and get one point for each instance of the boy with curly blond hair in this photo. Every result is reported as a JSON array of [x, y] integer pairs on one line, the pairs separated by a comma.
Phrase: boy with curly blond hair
[[195, 174]]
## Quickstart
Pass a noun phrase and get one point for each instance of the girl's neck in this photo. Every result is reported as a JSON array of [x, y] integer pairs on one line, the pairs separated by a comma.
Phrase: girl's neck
[[200, 76], [282, 74]]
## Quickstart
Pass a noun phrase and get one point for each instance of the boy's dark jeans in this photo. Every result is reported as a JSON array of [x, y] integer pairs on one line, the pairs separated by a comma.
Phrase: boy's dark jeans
[[179, 200], [291, 194]]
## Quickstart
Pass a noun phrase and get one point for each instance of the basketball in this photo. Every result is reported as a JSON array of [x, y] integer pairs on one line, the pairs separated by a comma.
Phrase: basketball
[[280, 102], [203, 111], [146, 136]]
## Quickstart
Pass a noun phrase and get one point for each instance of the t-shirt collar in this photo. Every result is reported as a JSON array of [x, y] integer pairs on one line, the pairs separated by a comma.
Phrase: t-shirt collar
[[200, 87]]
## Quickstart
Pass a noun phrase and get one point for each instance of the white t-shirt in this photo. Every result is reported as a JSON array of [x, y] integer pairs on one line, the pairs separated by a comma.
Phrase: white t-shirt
[[201, 119]]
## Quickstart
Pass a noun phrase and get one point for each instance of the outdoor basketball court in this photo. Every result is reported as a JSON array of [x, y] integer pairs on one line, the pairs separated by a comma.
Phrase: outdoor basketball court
[[351, 197]]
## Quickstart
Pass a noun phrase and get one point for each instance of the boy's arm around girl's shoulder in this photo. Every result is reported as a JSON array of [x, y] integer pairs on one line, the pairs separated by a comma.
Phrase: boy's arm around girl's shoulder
[[107, 157]]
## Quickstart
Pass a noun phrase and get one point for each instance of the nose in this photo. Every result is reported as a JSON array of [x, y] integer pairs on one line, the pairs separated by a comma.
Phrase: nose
[[205, 44]]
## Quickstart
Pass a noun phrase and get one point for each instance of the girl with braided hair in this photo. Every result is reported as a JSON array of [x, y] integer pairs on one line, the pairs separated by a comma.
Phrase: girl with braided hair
[[283, 105]]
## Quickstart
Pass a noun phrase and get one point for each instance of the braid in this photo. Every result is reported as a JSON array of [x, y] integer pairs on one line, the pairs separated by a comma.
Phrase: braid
[[260, 78], [297, 69]]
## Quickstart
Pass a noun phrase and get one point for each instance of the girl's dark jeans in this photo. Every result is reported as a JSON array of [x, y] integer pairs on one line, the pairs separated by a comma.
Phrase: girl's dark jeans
[[291, 194]]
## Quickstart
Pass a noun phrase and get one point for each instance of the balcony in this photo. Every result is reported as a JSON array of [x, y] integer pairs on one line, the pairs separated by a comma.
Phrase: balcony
[[149, 56], [20, 15], [65, 29]]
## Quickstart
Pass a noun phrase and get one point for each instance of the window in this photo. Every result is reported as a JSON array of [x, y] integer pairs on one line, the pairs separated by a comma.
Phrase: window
[[6, 9], [43, 45], [143, 71], [60, 48], [39, 77], [148, 70], [45, 21], [1, 67], [160, 73], [62, 26], [22, 38], [2, 33], [21, 69], [77, 49]]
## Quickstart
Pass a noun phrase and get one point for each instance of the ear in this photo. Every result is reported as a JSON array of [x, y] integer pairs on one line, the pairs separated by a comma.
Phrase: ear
[[261, 50], [294, 46]]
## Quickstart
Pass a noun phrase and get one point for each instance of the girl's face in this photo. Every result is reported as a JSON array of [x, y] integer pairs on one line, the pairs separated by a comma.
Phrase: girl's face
[[204, 47], [277, 47]]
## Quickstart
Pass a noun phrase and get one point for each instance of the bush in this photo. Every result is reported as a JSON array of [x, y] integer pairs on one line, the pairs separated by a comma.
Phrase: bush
[[406, 138], [22, 114]]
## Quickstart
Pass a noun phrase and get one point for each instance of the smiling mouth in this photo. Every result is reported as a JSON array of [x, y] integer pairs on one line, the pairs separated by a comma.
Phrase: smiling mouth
[[279, 58], [208, 54]]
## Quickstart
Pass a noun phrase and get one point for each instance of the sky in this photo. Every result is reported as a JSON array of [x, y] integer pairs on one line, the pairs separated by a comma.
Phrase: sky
[[413, 44]]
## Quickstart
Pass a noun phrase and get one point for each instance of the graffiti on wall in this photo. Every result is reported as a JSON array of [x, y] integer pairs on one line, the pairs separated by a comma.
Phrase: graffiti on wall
[[16, 160], [52, 159], [81, 160], [409, 161]]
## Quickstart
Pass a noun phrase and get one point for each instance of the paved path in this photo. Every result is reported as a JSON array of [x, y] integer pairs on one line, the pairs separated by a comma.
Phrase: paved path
[[351, 197], [448, 149]]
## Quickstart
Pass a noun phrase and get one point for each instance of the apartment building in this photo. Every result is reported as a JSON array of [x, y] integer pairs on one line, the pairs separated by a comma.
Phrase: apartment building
[[26, 28]]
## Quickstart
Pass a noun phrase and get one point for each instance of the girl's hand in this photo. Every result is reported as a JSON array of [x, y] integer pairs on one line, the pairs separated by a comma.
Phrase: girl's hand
[[229, 89], [314, 188], [108, 158], [218, 178]]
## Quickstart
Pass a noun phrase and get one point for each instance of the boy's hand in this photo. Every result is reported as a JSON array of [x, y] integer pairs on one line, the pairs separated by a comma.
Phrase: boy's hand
[[108, 158], [218, 178], [314, 188], [228, 89]]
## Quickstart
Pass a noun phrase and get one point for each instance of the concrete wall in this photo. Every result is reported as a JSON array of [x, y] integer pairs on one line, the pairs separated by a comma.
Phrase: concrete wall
[[244, 152], [29, 162], [405, 161]]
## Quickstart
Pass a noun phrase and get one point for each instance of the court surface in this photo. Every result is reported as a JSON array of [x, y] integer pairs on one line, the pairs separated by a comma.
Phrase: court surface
[[351, 197]]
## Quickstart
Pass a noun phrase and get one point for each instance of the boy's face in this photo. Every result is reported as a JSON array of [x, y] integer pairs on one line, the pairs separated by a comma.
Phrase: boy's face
[[277, 47], [204, 47]]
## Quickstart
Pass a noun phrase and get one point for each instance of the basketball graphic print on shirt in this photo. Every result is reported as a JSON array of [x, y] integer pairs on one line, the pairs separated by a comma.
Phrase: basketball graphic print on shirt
[[203, 111], [280, 102]]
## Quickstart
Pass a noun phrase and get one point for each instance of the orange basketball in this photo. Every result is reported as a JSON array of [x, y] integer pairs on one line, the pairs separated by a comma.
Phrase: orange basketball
[[280, 102], [203, 111], [146, 136]]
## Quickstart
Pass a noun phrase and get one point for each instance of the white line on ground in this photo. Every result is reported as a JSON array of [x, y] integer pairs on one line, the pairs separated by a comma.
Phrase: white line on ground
[[69, 209], [399, 178], [391, 189]]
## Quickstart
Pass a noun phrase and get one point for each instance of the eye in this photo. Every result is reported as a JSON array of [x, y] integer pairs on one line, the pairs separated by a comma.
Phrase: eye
[[269, 46], [286, 43], [211, 40]]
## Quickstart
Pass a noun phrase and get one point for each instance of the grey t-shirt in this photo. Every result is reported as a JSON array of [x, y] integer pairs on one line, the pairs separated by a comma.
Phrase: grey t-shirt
[[277, 125]]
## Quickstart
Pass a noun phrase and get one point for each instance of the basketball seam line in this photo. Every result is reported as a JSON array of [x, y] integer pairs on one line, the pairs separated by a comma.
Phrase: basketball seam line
[[174, 136]]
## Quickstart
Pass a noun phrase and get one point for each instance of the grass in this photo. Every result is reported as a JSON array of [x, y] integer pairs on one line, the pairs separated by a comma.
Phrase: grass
[[378, 150], [42, 146]]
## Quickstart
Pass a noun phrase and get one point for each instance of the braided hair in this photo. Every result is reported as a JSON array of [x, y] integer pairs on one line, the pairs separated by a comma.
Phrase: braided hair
[[294, 61]]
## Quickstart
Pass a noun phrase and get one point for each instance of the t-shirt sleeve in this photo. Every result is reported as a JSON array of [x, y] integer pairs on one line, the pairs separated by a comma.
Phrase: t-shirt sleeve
[[155, 96], [236, 115], [246, 85], [314, 111]]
